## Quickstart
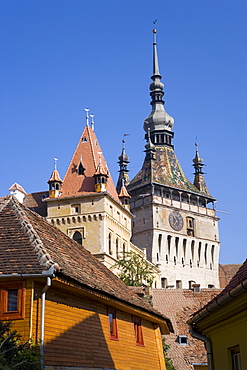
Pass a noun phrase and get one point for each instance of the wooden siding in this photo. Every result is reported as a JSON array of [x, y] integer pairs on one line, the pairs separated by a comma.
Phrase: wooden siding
[[77, 333]]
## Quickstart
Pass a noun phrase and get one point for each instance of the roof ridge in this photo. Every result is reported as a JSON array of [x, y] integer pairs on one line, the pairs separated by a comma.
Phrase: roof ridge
[[43, 256], [91, 146]]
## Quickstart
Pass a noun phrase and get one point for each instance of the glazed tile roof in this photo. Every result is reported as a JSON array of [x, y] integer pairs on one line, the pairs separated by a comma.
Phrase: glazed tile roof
[[30, 245], [178, 305], [89, 153], [164, 170]]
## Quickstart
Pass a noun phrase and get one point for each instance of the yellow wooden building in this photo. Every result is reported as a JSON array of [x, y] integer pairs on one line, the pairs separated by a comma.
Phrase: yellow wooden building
[[222, 325], [56, 291]]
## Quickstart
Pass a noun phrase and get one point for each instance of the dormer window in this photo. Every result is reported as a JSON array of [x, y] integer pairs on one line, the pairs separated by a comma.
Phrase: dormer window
[[80, 169], [183, 340]]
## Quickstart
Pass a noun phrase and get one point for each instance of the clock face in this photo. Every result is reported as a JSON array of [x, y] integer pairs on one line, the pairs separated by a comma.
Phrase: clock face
[[176, 220]]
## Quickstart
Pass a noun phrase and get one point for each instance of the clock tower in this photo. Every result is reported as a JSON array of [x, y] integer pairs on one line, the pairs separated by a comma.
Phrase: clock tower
[[174, 220]]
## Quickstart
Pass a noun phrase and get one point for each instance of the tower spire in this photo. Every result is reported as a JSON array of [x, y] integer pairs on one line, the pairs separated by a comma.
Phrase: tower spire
[[159, 121], [123, 168], [199, 181]]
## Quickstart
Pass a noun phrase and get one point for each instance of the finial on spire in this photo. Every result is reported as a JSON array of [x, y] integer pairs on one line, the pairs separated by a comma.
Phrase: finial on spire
[[55, 163], [92, 121], [154, 30], [100, 157], [158, 120], [87, 116]]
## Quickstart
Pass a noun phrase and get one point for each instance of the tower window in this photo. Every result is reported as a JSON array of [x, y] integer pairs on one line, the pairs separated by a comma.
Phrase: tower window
[[163, 282], [159, 242], [117, 249], [169, 244], [109, 244], [76, 208], [77, 237], [176, 245], [190, 222], [178, 284]]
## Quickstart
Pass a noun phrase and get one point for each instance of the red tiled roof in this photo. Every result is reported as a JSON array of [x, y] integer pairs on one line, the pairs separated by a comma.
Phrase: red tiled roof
[[239, 281], [55, 176], [226, 273], [88, 152], [35, 201], [123, 192], [179, 304], [16, 186], [29, 244]]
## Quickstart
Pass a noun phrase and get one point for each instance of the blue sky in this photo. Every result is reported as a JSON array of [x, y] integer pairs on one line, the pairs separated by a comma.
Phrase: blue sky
[[61, 56]]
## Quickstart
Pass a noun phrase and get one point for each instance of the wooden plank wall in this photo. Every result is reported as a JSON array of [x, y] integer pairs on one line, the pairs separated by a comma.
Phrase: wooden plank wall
[[77, 334]]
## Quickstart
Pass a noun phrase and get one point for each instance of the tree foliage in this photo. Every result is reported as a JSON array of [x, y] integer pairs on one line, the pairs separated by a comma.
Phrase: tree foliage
[[16, 354], [168, 360], [134, 270]]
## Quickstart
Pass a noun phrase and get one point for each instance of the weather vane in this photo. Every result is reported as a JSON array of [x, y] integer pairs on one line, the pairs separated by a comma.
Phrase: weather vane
[[55, 163]]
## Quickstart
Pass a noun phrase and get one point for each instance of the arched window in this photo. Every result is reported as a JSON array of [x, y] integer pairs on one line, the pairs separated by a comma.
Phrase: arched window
[[77, 237], [109, 244], [124, 250], [159, 242], [117, 249], [184, 248], [205, 253], [169, 244]]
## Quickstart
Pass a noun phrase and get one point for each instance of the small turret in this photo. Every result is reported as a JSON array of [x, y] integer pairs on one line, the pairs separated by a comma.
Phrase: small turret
[[123, 162], [124, 196], [149, 148], [199, 181], [101, 175], [55, 182]]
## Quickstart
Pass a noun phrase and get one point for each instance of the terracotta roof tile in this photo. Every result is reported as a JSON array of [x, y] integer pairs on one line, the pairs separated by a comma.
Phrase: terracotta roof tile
[[226, 272], [35, 201], [238, 280], [16, 186], [88, 152], [29, 244], [179, 304], [55, 176]]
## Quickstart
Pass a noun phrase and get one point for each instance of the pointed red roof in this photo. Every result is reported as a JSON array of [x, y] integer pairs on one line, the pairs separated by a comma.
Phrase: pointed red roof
[[123, 192], [16, 186], [55, 176], [89, 152], [101, 170]]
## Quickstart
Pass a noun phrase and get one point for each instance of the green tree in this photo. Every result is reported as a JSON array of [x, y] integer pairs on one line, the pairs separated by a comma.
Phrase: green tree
[[135, 270], [16, 354], [168, 360]]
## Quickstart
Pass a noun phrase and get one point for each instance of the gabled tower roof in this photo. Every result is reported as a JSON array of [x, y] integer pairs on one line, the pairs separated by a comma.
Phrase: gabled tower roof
[[89, 153]]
